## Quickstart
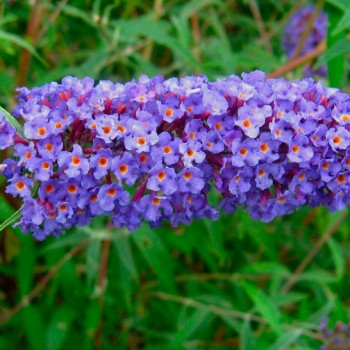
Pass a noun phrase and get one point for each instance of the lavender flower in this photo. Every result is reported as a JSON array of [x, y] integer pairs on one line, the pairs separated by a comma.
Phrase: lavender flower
[[293, 33], [152, 149], [337, 338]]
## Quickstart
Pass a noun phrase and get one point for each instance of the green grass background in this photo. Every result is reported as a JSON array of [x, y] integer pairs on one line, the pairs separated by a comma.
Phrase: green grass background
[[230, 284]]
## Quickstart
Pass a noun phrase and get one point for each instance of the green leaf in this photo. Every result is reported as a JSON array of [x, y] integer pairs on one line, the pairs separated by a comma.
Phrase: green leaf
[[343, 24], [336, 65], [59, 327], [194, 6], [264, 305], [188, 326], [340, 4], [17, 40], [341, 47], [34, 327], [286, 339], [122, 245], [247, 336], [13, 121], [156, 255], [12, 219], [338, 257]]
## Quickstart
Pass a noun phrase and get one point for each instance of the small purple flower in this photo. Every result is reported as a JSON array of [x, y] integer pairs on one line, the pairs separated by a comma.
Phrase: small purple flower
[[73, 162], [299, 149], [125, 168], [241, 182], [190, 180], [191, 152], [338, 138], [50, 147], [328, 169], [42, 168], [250, 119], [20, 186], [244, 153], [106, 128], [100, 163], [64, 212], [139, 139], [155, 207], [7, 133], [25, 152], [37, 129], [162, 179], [166, 149], [111, 196], [170, 111]]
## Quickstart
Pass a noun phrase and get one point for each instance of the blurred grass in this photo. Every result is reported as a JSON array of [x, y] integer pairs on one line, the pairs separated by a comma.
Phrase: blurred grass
[[210, 285]]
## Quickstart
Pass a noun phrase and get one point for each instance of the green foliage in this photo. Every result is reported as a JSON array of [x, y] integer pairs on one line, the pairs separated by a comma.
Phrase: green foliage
[[229, 284]]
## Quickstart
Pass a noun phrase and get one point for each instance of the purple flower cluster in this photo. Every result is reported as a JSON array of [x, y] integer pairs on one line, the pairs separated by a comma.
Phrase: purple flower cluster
[[337, 338], [293, 33], [152, 149], [7, 133]]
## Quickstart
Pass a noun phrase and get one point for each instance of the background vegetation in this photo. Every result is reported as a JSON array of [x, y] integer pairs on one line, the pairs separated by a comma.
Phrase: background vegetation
[[230, 284]]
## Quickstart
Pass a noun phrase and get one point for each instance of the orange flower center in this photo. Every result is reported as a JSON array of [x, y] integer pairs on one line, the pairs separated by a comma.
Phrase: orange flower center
[[107, 129], [141, 140], [123, 169], [218, 126], [45, 165], [63, 207], [156, 201], [41, 131], [295, 149], [75, 160], [49, 147], [20, 185], [337, 139], [325, 166], [103, 161], [190, 153], [93, 198], [341, 178], [243, 151], [161, 175], [247, 123], [264, 147], [143, 158], [121, 128], [72, 189], [49, 188], [112, 192], [169, 112], [167, 149], [187, 176]]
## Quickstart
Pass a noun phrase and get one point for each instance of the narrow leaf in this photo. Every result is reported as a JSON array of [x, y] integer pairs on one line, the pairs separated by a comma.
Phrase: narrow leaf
[[338, 257], [12, 219], [264, 305], [344, 23], [15, 39], [13, 121]]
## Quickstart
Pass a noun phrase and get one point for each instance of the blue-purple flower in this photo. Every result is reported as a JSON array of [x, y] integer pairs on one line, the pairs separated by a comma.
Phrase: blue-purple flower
[[152, 149]]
